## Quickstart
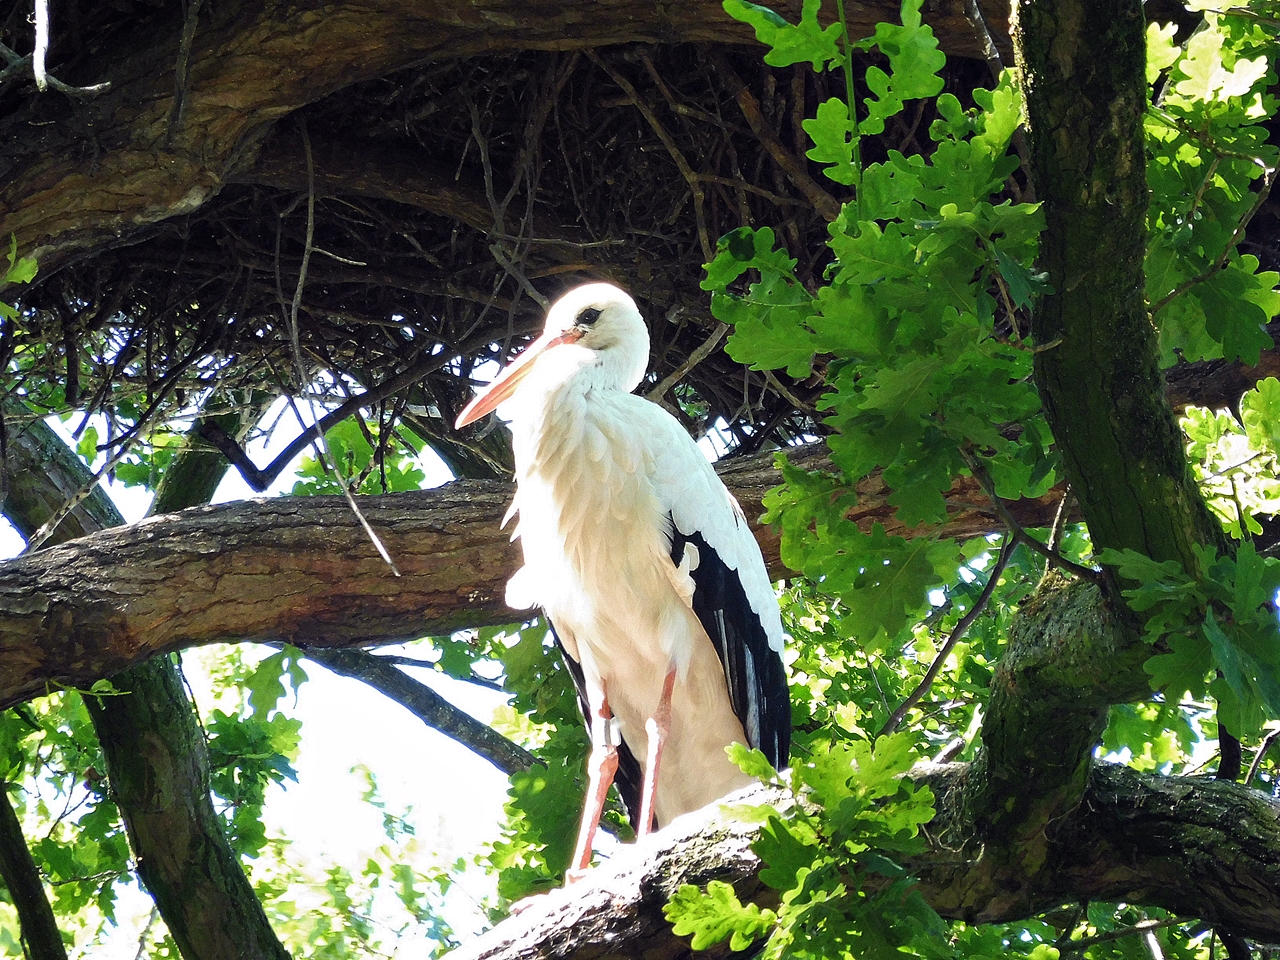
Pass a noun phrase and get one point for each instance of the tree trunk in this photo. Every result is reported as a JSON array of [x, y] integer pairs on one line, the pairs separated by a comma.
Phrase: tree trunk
[[159, 772], [39, 930], [1102, 388], [152, 741]]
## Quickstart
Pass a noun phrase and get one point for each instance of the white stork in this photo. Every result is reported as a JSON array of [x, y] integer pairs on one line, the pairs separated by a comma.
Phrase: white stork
[[644, 565]]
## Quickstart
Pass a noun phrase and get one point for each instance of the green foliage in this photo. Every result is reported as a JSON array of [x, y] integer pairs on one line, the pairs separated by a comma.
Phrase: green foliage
[[1156, 736], [246, 754], [20, 270], [1237, 462], [918, 373], [1220, 621], [884, 581], [842, 890], [1207, 143], [380, 466], [917, 332], [537, 840], [146, 464], [265, 684], [806, 42], [716, 915], [914, 62], [49, 748]]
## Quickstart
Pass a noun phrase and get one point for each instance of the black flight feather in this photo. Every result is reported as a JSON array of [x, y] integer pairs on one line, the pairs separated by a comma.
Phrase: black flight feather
[[754, 672]]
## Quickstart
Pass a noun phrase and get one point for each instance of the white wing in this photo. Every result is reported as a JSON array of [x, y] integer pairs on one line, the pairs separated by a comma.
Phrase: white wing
[[712, 544]]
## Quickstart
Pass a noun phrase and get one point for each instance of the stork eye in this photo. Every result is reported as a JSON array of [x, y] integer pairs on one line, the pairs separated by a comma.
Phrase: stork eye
[[588, 316]]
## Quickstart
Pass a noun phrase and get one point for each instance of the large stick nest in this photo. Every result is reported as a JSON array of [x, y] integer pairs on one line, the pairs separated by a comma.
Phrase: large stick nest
[[441, 200]]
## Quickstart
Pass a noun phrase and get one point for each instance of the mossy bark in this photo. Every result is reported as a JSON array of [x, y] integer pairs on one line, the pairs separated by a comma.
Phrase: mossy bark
[[1084, 64], [1077, 649], [1068, 659]]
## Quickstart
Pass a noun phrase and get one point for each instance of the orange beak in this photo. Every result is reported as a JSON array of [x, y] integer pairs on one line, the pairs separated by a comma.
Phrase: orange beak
[[504, 385]]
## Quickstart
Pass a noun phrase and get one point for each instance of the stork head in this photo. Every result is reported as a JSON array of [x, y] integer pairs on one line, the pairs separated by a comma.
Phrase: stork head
[[593, 332]]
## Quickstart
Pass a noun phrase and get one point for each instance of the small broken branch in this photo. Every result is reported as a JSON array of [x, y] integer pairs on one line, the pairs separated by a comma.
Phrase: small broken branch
[[45, 80]]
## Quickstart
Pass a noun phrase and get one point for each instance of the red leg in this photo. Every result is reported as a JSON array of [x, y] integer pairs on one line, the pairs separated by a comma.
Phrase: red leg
[[658, 727], [600, 771]]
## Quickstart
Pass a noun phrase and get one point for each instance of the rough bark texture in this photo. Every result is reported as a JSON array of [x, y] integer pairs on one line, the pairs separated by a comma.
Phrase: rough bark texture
[[1102, 388], [1068, 659], [1202, 849], [1197, 847], [299, 571]]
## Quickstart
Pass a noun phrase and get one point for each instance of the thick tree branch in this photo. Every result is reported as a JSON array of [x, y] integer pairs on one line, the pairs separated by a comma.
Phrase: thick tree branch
[[1203, 849], [295, 570], [300, 570]]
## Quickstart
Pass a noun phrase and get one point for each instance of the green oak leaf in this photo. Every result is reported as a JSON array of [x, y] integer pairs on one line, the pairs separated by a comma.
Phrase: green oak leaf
[[914, 62], [715, 915], [833, 134], [1260, 410], [805, 42]]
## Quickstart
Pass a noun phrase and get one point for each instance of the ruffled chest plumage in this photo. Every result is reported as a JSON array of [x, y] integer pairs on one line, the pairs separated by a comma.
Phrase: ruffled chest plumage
[[590, 512]]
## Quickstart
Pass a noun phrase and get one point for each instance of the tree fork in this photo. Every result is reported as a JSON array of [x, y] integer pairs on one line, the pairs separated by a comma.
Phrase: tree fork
[[1085, 90], [1104, 397]]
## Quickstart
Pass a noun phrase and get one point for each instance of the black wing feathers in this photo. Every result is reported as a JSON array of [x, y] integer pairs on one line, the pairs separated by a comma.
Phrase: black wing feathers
[[630, 778], [756, 679]]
